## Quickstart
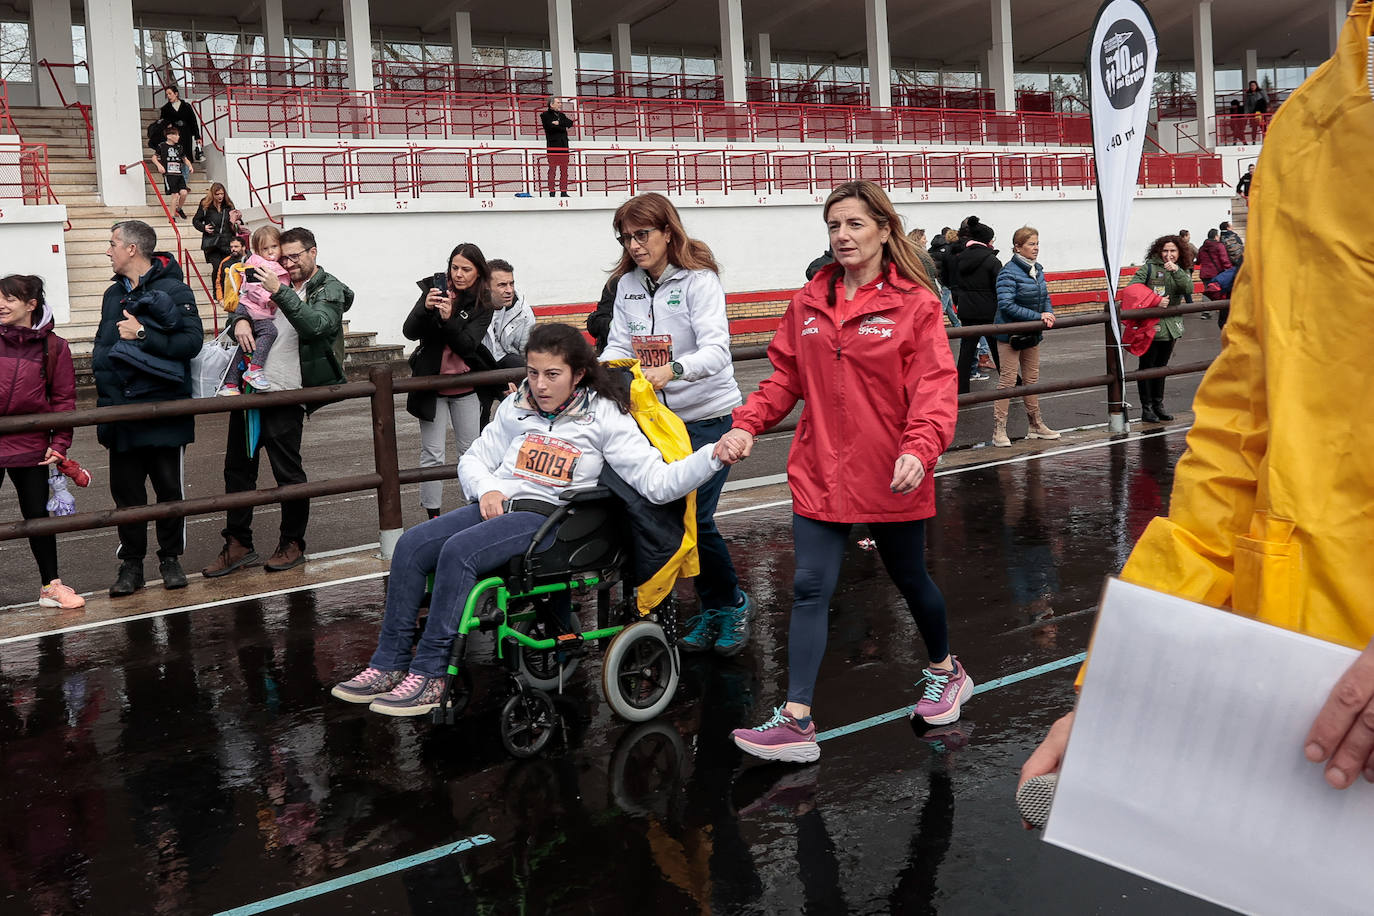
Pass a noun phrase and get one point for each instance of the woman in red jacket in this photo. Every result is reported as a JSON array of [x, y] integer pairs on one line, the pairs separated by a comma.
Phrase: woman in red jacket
[[863, 345], [36, 376]]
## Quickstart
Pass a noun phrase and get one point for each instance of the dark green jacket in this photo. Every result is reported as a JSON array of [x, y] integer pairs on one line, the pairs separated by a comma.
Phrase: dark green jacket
[[318, 320], [179, 345], [1173, 284]]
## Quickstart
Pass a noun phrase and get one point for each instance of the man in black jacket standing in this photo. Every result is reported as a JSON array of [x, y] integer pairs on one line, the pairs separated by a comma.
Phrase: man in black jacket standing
[[556, 125], [147, 283]]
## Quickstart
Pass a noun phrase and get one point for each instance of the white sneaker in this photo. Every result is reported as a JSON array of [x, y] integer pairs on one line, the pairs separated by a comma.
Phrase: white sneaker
[[228, 391]]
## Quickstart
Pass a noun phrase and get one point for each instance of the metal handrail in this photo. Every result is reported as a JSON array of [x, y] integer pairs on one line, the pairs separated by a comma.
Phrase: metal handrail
[[681, 171], [381, 388], [80, 106], [188, 264]]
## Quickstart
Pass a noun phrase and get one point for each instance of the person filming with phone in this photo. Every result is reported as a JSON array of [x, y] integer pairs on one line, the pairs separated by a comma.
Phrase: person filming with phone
[[450, 320]]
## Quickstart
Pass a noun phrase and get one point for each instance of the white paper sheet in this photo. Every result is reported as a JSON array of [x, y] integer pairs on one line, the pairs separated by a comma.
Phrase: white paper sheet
[[1186, 761]]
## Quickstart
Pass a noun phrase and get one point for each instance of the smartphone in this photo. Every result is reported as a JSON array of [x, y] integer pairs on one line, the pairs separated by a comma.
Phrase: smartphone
[[441, 282], [250, 275]]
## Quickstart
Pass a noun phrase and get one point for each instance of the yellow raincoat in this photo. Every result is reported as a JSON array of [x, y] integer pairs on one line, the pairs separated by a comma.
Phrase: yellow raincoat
[[1272, 513], [669, 435]]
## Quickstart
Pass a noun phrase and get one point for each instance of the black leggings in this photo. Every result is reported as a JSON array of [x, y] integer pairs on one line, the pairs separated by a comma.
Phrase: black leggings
[[968, 355], [820, 551], [32, 485], [1151, 390]]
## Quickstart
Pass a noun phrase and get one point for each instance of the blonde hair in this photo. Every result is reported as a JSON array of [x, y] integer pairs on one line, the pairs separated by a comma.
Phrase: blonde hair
[[951, 235], [1023, 235], [898, 249], [652, 209], [264, 236]]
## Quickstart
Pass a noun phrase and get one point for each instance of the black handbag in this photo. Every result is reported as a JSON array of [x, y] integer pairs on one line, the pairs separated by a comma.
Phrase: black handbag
[[1024, 341]]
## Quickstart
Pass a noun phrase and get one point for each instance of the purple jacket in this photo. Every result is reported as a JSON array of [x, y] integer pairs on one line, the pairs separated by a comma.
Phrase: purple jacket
[[1212, 259], [23, 352]]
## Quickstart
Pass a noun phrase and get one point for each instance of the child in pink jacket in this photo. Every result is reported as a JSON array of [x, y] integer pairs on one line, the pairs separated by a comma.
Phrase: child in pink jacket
[[266, 244]]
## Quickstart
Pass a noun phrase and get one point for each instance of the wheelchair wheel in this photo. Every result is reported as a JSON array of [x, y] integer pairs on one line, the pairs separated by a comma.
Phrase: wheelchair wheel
[[639, 674], [540, 669], [528, 721]]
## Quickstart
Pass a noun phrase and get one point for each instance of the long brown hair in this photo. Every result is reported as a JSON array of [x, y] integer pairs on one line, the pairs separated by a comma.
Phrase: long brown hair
[[1185, 257], [898, 249], [652, 209], [208, 200]]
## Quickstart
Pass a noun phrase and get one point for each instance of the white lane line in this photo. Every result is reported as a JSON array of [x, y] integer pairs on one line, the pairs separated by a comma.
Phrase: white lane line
[[377, 575], [98, 624]]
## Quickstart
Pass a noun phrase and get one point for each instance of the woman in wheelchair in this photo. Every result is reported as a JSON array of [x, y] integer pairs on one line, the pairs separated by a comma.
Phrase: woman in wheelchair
[[550, 437]]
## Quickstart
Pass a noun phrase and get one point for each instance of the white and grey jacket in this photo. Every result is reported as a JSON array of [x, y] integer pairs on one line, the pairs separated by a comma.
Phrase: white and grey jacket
[[689, 305], [523, 454], [510, 328]]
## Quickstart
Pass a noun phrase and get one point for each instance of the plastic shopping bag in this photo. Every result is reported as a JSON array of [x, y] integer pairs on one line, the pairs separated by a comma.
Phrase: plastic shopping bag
[[211, 365]]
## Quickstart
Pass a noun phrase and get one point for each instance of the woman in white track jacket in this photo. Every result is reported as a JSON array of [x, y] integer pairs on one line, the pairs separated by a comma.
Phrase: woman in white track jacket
[[670, 315]]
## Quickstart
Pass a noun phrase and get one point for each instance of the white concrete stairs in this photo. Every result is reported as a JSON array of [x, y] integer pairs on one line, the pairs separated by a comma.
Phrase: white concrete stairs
[[73, 180]]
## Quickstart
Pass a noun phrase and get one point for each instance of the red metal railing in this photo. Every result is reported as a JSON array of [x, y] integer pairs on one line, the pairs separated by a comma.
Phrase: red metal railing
[[7, 124], [184, 257], [80, 106], [339, 173], [273, 112], [24, 173], [1184, 104], [1232, 130]]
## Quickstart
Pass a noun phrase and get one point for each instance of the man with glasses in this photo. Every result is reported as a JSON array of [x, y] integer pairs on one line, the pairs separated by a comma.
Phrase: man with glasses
[[309, 351], [149, 330]]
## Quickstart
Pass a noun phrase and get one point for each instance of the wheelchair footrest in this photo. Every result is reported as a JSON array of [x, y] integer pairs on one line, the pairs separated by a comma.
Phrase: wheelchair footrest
[[571, 645]]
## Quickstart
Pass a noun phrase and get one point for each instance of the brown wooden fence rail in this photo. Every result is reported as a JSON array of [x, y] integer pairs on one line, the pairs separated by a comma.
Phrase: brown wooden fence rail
[[388, 477]]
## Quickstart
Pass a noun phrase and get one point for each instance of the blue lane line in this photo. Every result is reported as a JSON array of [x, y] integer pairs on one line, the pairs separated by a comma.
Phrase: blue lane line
[[367, 874], [993, 684]]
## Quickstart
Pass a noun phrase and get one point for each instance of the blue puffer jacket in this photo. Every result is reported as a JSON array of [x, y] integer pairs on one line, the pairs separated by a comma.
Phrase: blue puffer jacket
[[1021, 297]]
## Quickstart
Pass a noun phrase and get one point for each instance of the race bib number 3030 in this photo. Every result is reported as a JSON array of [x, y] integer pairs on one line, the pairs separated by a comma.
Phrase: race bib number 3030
[[653, 350], [547, 460]]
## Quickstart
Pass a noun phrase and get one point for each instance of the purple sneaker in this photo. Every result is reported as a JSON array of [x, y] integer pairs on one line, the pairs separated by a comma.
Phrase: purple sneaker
[[416, 695], [945, 693], [367, 685], [780, 738]]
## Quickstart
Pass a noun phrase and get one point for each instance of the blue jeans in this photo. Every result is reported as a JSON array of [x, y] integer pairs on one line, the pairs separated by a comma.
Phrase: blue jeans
[[819, 549], [717, 585], [457, 547], [947, 302]]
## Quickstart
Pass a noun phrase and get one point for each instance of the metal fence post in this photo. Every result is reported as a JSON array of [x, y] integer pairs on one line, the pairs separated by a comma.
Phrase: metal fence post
[[389, 522], [1117, 419]]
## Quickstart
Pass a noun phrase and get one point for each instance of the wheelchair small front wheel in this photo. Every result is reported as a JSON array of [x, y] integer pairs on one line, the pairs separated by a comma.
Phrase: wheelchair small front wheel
[[528, 721], [639, 674]]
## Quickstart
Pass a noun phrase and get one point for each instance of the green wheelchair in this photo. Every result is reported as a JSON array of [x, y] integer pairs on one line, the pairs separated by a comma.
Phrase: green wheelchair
[[539, 640]]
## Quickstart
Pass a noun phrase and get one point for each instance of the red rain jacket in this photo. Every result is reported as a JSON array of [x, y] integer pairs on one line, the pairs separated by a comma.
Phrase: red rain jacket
[[22, 390], [1136, 336], [878, 381]]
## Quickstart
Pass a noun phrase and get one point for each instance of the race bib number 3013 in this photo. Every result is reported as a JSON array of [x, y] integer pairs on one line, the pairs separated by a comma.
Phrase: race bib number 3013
[[547, 460], [653, 350]]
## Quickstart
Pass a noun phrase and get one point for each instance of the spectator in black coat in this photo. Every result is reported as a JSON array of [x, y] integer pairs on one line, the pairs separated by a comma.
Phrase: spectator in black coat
[[148, 449], [556, 125], [599, 321], [976, 267], [182, 115]]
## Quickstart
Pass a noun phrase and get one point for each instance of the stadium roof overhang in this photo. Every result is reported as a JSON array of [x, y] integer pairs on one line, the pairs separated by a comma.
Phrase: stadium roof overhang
[[952, 33]]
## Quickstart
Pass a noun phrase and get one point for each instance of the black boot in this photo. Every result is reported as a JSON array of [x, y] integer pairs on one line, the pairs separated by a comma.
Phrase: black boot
[[130, 579], [1147, 413], [1159, 412], [173, 576]]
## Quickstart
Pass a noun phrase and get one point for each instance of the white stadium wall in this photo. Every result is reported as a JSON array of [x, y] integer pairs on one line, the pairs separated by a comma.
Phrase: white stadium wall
[[31, 242], [381, 246]]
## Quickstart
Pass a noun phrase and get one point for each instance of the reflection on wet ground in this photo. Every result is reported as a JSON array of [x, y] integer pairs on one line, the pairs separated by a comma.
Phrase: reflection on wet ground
[[195, 763]]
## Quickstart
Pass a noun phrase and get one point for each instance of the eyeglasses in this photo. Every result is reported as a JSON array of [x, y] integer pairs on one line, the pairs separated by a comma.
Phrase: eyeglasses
[[641, 236], [290, 258]]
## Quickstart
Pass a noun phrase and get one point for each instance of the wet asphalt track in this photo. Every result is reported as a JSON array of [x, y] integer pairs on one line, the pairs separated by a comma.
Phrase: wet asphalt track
[[194, 763]]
